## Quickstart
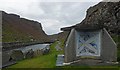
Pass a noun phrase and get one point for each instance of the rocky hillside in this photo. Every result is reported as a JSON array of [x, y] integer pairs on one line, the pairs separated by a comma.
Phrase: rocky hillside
[[60, 36], [17, 29], [104, 14]]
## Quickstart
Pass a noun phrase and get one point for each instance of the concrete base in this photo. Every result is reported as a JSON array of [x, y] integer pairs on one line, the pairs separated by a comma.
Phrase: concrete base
[[83, 62], [60, 60], [93, 62]]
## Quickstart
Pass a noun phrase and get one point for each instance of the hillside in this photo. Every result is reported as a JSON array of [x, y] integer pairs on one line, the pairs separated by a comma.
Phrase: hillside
[[17, 29], [60, 36], [104, 14]]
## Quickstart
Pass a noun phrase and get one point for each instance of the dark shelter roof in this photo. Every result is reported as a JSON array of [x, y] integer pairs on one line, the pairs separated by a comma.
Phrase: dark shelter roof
[[83, 27]]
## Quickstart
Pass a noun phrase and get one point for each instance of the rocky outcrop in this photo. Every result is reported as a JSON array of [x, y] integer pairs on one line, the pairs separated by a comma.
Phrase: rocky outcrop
[[5, 58], [104, 14], [16, 55], [29, 54], [38, 52]]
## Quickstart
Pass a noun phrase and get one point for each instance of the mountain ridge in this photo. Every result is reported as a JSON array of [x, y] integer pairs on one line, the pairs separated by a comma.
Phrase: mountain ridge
[[15, 28]]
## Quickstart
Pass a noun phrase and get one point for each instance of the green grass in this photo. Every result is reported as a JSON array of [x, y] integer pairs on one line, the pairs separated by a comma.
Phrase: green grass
[[49, 61], [45, 61]]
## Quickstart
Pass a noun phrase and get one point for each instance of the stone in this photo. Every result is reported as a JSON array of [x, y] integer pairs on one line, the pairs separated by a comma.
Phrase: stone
[[60, 60], [29, 54], [46, 51], [93, 46], [17, 55], [42, 51], [38, 52], [5, 58]]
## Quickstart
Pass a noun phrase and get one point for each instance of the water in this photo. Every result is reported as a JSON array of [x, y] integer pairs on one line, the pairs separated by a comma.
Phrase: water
[[33, 47], [7, 54]]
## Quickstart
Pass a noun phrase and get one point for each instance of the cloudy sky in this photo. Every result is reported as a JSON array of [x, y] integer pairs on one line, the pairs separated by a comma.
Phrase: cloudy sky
[[52, 14]]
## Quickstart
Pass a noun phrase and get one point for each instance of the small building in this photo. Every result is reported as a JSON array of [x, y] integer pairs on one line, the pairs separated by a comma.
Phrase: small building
[[89, 45]]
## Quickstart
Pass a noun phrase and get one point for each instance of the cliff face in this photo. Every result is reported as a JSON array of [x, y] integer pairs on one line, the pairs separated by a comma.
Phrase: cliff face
[[17, 29], [104, 14]]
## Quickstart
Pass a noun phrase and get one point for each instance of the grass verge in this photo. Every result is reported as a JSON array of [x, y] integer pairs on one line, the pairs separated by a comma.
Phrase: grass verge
[[45, 61]]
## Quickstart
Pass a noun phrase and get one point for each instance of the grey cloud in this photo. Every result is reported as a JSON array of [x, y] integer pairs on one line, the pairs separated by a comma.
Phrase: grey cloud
[[60, 14], [67, 13]]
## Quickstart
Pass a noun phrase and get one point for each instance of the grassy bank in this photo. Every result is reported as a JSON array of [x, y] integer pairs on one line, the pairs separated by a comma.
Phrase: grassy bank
[[45, 61]]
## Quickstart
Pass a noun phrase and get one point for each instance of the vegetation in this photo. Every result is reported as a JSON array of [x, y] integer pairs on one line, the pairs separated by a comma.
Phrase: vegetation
[[45, 61], [12, 35], [49, 60]]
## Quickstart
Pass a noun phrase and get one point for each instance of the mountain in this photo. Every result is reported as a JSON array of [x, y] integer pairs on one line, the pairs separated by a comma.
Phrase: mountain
[[60, 36], [104, 14], [17, 29]]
